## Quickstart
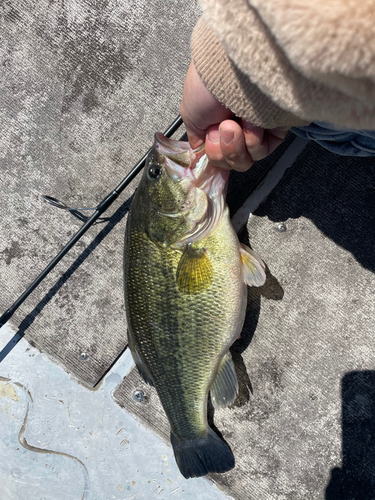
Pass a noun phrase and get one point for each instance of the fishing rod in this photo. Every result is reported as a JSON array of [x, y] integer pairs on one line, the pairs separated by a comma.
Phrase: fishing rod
[[102, 207]]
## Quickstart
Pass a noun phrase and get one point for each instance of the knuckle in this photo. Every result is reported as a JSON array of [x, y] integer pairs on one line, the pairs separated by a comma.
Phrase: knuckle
[[232, 157], [253, 145], [238, 162], [216, 158], [259, 149]]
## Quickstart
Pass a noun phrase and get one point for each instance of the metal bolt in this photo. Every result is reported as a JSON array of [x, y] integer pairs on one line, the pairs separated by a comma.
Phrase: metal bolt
[[281, 227], [83, 356], [138, 396]]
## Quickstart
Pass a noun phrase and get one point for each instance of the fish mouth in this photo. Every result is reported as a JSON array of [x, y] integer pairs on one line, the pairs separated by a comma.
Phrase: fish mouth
[[179, 158], [208, 185], [169, 146], [181, 161]]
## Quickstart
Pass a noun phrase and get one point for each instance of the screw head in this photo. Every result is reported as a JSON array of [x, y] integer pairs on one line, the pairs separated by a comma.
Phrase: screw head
[[83, 356], [138, 395], [281, 227]]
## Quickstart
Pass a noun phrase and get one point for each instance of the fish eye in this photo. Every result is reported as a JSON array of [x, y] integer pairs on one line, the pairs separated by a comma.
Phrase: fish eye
[[154, 171]]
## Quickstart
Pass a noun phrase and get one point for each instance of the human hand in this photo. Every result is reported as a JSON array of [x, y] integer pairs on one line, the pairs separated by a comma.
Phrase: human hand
[[229, 143]]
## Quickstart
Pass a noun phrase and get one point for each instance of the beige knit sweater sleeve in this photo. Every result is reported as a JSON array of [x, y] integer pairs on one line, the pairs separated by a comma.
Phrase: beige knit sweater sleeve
[[290, 62]]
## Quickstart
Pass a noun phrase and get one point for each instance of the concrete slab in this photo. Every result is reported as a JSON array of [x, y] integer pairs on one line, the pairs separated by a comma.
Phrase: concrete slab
[[60, 440]]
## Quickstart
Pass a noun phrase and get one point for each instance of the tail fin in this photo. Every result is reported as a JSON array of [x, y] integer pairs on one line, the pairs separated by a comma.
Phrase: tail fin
[[197, 457]]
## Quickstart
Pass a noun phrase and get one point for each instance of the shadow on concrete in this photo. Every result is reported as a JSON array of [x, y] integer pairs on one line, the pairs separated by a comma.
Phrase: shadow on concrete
[[356, 479], [336, 193], [270, 290]]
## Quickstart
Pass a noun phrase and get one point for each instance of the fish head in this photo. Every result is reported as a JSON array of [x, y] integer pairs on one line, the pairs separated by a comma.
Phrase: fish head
[[178, 192], [168, 177]]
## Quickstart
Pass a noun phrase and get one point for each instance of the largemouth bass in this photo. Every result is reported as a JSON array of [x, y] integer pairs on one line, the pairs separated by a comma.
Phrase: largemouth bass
[[185, 276]]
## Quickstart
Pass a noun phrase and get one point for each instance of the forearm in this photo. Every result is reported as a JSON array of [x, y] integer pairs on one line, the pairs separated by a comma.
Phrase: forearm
[[276, 79], [232, 87]]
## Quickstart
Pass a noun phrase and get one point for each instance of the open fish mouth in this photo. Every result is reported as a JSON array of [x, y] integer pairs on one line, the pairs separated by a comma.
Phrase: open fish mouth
[[206, 199], [169, 146], [181, 161], [179, 158]]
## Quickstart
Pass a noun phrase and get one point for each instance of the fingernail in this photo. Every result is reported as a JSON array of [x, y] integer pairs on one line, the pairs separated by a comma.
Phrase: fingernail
[[247, 125], [214, 135], [227, 136]]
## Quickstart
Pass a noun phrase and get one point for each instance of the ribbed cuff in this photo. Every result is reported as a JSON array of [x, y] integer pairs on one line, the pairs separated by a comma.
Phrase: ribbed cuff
[[231, 86]]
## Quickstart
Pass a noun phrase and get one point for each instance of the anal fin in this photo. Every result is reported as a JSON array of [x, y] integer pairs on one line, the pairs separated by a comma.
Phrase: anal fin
[[141, 367], [224, 389]]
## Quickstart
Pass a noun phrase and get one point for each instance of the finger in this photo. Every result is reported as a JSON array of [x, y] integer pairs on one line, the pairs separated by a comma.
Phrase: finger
[[260, 142], [226, 148], [213, 149], [233, 146], [275, 137], [254, 140]]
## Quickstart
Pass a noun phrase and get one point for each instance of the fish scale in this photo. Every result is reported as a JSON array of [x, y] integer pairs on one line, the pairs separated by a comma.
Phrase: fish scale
[[180, 330], [192, 331]]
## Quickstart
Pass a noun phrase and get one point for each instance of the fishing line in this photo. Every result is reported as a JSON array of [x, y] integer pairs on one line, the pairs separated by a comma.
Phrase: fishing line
[[60, 204]]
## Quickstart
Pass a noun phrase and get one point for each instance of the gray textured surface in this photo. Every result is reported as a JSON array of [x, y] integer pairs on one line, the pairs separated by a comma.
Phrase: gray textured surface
[[83, 87], [60, 440], [306, 355]]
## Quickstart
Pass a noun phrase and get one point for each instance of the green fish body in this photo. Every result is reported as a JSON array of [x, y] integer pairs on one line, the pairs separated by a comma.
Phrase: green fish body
[[185, 296]]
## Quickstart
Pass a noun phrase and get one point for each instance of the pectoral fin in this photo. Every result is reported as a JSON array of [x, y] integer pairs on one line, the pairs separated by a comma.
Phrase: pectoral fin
[[194, 271], [225, 386], [253, 267]]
